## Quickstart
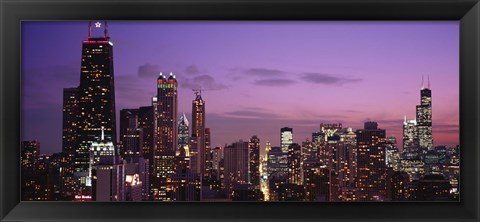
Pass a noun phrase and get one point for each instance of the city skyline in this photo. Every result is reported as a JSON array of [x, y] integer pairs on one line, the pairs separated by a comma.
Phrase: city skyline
[[258, 114], [148, 161]]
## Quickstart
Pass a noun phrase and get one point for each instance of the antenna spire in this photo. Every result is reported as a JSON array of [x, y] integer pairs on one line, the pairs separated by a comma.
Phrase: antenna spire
[[423, 86], [429, 81], [105, 30], [89, 29]]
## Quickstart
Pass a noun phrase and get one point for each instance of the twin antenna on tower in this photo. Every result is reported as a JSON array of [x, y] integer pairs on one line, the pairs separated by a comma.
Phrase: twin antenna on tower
[[98, 25]]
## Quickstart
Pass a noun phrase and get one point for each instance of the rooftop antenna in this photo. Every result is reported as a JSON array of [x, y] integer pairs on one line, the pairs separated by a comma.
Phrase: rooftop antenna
[[429, 81], [89, 29], [423, 87], [105, 30]]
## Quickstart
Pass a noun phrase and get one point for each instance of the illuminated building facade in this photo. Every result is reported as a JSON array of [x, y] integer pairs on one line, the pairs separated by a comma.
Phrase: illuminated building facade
[[254, 162], [294, 164], [370, 182], [236, 165], [198, 132], [286, 138], [410, 135], [131, 135], [277, 163], [424, 118], [165, 106], [70, 112], [186, 185], [183, 131], [96, 96], [166, 112], [137, 181]]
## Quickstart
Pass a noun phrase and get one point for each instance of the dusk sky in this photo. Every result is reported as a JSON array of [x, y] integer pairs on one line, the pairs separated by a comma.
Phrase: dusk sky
[[262, 75]]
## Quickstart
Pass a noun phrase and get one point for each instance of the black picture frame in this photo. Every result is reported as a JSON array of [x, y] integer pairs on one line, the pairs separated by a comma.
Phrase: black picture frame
[[12, 12]]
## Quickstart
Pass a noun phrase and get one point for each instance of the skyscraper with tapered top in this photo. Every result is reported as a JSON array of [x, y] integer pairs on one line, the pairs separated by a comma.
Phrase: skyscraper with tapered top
[[198, 130], [96, 100], [424, 117]]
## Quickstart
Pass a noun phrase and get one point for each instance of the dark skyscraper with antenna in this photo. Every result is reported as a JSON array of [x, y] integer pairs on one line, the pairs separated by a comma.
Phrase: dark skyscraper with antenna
[[96, 94], [424, 117]]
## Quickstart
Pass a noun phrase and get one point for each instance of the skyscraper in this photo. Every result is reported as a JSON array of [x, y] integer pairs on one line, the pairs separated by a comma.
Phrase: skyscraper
[[70, 112], [131, 135], [371, 163], [254, 162], [183, 129], [236, 165], [286, 138], [424, 117], [96, 95], [166, 114], [294, 164], [165, 106], [410, 135], [198, 130]]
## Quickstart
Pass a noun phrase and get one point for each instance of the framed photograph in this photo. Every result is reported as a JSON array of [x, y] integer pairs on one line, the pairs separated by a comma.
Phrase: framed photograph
[[239, 110]]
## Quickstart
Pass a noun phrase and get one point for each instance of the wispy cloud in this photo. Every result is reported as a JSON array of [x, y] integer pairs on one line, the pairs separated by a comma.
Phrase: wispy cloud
[[202, 82], [264, 72], [327, 79], [250, 114], [192, 70], [148, 71], [274, 82]]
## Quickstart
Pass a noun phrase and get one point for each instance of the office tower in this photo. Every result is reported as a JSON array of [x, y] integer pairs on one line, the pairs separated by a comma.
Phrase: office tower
[[207, 172], [286, 138], [106, 173], [146, 123], [325, 141], [131, 135], [244, 192], [370, 163], [254, 162], [294, 164], [62, 170], [316, 180], [96, 95], [236, 165], [397, 185], [30, 152], [217, 156], [424, 117], [182, 155], [277, 166], [433, 187], [29, 162], [346, 159], [70, 112], [137, 184], [165, 106], [166, 115], [186, 185], [277, 163], [309, 149], [410, 135], [198, 130], [183, 131]]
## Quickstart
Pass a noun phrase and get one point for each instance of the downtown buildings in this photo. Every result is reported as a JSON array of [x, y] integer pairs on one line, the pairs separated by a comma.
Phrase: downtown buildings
[[164, 156]]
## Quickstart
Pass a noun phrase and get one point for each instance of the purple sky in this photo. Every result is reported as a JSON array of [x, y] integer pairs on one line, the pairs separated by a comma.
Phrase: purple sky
[[265, 75]]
